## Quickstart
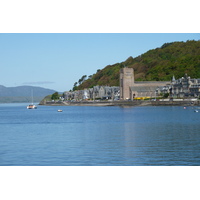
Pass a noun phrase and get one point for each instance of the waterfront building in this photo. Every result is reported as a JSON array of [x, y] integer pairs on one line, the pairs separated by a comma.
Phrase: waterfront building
[[97, 92], [185, 87], [129, 89], [107, 92], [147, 89]]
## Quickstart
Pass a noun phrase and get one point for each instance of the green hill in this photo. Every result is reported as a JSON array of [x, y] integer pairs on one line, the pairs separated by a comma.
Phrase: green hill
[[160, 64]]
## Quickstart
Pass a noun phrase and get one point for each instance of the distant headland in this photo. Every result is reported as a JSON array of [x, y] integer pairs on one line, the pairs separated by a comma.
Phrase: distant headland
[[22, 94]]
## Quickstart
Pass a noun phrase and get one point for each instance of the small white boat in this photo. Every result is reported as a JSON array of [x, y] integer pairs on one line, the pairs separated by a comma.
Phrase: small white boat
[[31, 106], [59, 110], [196, 111]]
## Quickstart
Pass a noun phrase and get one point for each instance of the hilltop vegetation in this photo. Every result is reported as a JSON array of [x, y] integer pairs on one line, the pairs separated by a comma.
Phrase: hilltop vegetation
[[160, 64]]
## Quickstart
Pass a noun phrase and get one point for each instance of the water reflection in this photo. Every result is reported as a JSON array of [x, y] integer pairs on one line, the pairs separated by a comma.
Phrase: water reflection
[[170, 139]]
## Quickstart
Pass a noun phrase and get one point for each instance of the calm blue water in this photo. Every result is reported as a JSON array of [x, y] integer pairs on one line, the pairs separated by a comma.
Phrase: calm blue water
[[95, 136]]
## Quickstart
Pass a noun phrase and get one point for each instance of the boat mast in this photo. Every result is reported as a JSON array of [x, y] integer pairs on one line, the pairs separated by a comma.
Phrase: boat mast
[[32, 96]]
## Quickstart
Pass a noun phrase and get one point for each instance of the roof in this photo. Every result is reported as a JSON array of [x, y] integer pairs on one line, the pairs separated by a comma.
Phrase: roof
[[144, 88], [147, 86], [158, 83]]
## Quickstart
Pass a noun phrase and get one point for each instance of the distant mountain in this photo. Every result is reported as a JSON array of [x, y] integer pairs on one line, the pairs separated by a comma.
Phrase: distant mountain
[[160, 64], [23, 94]]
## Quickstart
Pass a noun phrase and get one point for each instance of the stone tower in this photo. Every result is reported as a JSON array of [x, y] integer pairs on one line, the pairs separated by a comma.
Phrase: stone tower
[[126, 81]]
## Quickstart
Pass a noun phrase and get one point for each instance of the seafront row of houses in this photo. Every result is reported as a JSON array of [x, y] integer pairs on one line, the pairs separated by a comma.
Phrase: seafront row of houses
[[97, 92], [184, 87]]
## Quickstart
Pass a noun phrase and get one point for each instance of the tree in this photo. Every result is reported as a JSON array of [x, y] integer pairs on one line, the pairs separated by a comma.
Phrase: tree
[[75, 86], [82, 79], [55, 96], [166, 95]]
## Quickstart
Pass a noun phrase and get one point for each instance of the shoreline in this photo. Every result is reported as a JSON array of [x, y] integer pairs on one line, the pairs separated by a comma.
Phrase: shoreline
[[124, 103]]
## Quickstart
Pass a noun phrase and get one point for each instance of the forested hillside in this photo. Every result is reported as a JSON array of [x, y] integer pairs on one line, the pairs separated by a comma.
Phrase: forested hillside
[[160, 64]]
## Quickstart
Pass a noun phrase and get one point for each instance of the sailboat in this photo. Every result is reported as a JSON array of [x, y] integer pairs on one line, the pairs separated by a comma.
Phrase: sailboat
[[32, 106]]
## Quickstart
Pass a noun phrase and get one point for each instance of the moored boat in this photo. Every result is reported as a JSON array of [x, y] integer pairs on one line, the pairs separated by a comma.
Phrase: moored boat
[[31, 106]]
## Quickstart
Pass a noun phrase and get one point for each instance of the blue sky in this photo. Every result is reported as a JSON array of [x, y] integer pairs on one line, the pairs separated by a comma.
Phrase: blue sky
[[57, 61]]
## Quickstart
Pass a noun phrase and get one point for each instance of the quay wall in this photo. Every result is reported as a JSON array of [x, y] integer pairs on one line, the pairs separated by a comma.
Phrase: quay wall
[[124, 103]]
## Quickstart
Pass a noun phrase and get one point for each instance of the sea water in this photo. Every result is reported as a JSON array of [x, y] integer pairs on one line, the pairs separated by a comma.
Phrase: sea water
[[99, 136]]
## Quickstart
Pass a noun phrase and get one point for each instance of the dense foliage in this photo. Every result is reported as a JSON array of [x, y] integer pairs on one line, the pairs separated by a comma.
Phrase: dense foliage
[[160, 64], [55, 96]]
